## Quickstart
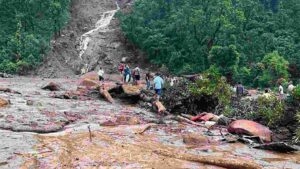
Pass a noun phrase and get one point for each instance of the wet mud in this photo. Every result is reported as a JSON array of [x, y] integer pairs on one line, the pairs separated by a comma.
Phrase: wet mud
[[68, 133]]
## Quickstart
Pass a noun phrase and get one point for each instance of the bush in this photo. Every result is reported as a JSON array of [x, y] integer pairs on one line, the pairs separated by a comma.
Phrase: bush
[[274, 67], [270, 108], [296, 93], [213, 84]]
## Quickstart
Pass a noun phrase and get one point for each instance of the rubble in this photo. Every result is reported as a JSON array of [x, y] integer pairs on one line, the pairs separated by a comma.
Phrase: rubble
[[277, 146], [195, 139]]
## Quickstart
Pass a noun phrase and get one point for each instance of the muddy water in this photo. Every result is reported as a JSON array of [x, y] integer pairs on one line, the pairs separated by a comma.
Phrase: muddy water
[[69, 144]]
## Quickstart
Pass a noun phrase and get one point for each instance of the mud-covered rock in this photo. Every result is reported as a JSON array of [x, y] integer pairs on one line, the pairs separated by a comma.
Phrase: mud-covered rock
[[52, 86], [3, 103], [89, 83], [195, 139], [8, 90], [90, 76]]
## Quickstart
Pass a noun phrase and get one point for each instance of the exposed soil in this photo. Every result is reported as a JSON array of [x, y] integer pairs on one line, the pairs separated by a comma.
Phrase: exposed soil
[[41, 129], [106, 48]]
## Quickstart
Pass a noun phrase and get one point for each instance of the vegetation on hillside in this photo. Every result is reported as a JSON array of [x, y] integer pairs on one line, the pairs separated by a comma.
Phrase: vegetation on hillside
[[27, 27], [253, 41]]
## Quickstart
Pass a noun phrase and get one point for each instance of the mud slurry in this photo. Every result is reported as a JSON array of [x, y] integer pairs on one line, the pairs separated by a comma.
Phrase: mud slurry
[[53, 133]]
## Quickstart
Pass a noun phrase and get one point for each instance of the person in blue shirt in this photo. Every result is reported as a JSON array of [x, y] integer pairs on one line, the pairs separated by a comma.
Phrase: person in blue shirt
[[158, 84], [127, 74]]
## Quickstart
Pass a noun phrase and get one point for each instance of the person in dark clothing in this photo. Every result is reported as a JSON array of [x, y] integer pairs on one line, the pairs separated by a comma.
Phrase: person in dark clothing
[[239, 90], [127, 74], [148, 80]]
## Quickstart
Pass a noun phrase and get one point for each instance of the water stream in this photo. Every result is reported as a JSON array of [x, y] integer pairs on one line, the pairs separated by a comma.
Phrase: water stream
[[101, 25]]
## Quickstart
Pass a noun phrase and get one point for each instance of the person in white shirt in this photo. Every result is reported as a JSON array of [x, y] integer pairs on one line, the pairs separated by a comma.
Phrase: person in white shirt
[[101, 74], [281, 93], [290, 87]]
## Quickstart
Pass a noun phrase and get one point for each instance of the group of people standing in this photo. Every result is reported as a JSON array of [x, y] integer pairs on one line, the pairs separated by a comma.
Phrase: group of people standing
[[129, 74], [135, 74], [240, 91]]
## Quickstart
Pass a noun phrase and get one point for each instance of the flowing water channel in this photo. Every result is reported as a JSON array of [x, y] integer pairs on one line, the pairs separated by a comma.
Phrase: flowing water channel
[[100, 26]]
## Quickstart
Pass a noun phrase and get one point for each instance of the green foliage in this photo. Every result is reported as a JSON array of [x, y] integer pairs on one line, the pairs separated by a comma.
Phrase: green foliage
[[237, 36], [27, 27], [274, 67], [296, 93], [226, 58], [270, 108], [213, 84]]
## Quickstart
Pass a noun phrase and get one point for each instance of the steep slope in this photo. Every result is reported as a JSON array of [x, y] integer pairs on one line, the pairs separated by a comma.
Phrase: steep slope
[[92, 37]]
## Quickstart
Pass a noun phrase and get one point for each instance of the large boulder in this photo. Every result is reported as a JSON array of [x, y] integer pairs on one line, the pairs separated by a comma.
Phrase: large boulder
[[90, 76], [251, 128], [89, 83], [195, 139]]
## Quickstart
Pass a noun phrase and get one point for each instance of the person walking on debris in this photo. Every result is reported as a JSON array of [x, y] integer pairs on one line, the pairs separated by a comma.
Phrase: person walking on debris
[[280, 91], [239, 90], [290, 88], [137, 75], [173, 81], [121, 68], [127, 74], [101, 74], [148, 80], [84, 69], [158, 83], [267, 95]]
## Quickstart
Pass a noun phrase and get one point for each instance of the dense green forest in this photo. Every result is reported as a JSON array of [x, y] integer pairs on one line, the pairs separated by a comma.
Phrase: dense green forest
[[253, 41], [26, 28]]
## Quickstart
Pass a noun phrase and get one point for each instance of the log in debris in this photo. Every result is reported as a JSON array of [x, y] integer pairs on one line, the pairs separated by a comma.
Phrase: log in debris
[[145, 128], [236, 163], [189, 121], [160, 107], [106, 95]]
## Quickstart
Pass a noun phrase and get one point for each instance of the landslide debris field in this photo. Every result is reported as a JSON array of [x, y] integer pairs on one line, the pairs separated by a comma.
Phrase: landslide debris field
[[92, 37], [39, 130], [78, 123]]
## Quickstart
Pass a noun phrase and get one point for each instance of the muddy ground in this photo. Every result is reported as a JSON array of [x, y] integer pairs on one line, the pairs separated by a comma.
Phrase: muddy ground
[[49, 132], [40, 131]]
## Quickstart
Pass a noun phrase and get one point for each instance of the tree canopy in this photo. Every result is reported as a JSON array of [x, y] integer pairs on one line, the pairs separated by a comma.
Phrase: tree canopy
[[27, 27], [235, 35]]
